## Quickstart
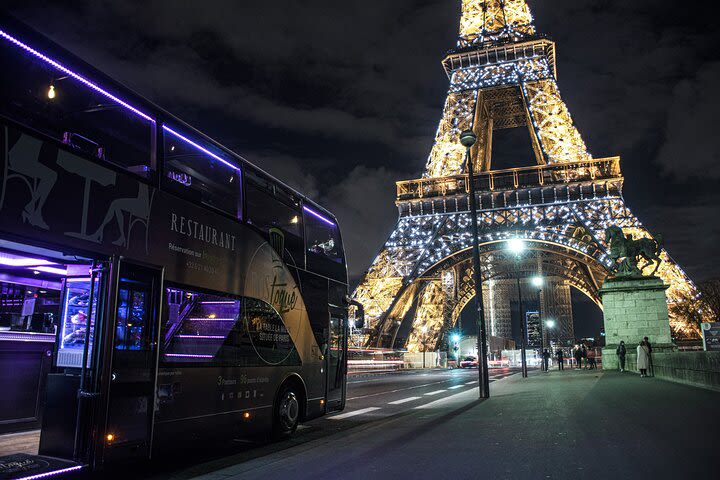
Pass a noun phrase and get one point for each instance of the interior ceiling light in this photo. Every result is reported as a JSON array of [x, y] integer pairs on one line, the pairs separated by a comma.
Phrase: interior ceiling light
[[19, 261]]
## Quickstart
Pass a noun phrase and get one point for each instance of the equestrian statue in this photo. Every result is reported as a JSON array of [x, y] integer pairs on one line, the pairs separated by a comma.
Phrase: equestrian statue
[[627, 253]]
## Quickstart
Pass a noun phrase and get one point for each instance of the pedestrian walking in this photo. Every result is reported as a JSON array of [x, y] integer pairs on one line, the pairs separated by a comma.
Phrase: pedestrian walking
[[578, 356], [584, 356], [561, 359], [643, 358], [650, 357], [591, 354], [545, 359], [621, 352]]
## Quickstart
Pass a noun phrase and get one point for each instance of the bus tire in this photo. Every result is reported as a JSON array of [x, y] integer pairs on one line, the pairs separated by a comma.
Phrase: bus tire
[[286, 414]]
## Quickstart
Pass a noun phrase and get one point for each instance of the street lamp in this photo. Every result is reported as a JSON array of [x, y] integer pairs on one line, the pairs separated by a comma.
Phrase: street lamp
[[424, 329], [456, 348], [468, 139], [516, 246], [550, 324]]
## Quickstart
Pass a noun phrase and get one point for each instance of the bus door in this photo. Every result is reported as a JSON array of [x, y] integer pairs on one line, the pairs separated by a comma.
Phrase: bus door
[[336, 359], [133, 372]]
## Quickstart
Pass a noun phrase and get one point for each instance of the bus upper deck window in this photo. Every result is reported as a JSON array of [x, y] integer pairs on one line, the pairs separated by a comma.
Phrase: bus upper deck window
[[200, 171], [322, 235], [269, 205], [83, 115]]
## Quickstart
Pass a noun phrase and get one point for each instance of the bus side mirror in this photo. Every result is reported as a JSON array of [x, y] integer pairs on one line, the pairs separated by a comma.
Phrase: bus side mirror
[[359, 312]]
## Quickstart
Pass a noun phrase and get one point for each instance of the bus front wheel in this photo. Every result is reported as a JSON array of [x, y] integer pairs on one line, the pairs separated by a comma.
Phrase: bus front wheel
[[287, 412]]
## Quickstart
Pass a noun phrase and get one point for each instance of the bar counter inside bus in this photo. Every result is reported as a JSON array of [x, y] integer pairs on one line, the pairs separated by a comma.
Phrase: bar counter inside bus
[[25, 360]]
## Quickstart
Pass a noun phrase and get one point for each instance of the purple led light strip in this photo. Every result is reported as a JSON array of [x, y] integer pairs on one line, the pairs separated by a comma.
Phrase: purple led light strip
[[204, 150], [188, 355], [55, 270], [317, 215], [194, 319], [74, 75], [217, 302], [201, 336], [53, 473]]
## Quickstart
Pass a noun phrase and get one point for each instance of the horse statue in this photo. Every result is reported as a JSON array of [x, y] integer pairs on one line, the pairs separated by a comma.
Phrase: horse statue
[[631, 251]]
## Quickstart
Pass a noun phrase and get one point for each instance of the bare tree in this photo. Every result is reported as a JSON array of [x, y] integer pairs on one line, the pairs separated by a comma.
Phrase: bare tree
[[690, 308], [697, 309], [710, 294]]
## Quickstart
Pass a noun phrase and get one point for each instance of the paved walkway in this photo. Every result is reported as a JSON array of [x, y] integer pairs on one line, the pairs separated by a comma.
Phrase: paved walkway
[[565, 425]]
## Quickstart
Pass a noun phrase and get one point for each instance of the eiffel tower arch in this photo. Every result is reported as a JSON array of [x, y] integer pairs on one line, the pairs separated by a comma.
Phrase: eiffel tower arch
[[502, 75]]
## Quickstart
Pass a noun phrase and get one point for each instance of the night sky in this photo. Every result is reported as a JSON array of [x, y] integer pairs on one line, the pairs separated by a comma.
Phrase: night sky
[[340, 99]]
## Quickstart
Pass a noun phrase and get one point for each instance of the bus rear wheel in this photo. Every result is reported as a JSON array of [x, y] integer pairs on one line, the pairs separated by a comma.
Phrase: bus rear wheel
[[287, 412]]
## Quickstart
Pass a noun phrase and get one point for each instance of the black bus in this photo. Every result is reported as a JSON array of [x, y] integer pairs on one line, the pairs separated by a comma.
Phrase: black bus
[[156, 288]]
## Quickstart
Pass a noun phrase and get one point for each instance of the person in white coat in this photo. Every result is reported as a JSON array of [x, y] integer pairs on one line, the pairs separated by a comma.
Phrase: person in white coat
[[643, 355]]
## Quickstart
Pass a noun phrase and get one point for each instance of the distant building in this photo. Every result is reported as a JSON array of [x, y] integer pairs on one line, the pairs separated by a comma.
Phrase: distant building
[[533, 329]]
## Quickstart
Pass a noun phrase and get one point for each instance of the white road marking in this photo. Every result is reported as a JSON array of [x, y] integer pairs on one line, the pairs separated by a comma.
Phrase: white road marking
[[470, 383], [435, 392], [398, 390], [455, 386], [404, 400], [352, 414], [444, 400]]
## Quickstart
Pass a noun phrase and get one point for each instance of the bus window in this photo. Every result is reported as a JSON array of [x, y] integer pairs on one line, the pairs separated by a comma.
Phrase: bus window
[[195, 325], [50, 101], [324, 247], [132, 320], [200, 172], [269, 206], [201, 328], [322, 236]]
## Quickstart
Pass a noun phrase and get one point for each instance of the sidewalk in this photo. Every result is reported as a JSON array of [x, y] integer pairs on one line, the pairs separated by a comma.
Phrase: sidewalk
[[583, 424]]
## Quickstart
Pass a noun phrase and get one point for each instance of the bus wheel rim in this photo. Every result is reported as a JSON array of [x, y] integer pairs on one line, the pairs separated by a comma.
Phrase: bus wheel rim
[[289, 410]]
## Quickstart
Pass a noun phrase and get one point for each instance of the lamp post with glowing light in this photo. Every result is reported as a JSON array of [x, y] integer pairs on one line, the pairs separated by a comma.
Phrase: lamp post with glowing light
[[456, 348], [516, 246], [550, 324], [467, 139]]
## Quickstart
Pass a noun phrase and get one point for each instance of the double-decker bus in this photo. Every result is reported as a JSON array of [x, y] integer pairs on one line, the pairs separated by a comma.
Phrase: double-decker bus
[[156, 288]]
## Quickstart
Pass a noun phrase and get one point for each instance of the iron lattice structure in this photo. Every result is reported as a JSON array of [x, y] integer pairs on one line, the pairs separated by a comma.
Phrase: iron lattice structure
[[502, 75]]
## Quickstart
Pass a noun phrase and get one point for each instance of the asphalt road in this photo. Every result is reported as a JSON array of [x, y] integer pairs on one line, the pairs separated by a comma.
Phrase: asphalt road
[[371, 400], [587, 424]]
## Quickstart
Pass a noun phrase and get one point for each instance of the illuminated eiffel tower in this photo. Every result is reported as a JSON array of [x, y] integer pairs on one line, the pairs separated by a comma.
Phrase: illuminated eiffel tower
[[502, 75]]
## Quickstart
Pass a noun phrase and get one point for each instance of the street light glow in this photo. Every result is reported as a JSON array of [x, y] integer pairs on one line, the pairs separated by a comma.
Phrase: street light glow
[[537, 281], [456, 338], [516, 245], [550, 323]]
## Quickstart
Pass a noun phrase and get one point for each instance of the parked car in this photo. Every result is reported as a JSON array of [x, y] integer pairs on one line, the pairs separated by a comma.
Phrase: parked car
[[469, 362]]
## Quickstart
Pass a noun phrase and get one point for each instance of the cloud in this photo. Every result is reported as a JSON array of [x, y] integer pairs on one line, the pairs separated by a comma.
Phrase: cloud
[[364, 205], [691, 234], [691, 148]]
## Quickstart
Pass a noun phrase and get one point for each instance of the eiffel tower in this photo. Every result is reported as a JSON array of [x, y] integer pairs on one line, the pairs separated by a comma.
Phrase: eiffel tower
[[502, 75]]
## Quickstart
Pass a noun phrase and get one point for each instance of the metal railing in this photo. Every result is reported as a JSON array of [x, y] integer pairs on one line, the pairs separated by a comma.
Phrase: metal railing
[[511, 179]]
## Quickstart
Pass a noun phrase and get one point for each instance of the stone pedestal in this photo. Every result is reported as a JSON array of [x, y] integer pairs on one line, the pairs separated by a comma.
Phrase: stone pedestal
[[634, 308]]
